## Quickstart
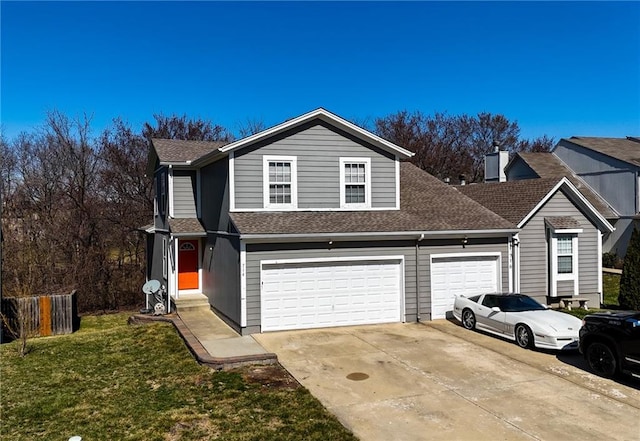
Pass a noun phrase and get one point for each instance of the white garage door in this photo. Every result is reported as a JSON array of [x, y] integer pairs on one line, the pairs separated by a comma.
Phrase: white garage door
[[323, 294], [466, 275]]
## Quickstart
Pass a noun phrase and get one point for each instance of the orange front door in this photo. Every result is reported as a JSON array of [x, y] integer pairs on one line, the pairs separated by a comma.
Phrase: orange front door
[[188, 264]]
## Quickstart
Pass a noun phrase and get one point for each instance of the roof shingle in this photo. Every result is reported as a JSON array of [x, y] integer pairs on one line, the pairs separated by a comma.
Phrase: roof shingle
[[548, 165], [624, 149], [177, 150], [513, 200]]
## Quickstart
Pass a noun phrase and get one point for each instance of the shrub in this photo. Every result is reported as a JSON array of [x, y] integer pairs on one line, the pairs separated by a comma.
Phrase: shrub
[[629, 297]]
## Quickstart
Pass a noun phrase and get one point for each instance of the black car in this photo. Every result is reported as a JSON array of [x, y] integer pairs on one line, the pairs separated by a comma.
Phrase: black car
[[610, 342]]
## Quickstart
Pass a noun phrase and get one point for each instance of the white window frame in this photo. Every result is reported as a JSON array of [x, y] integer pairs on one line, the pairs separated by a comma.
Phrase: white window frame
[[165, 250], [162, 198], [367, 183], [293, 160], [574, 274]]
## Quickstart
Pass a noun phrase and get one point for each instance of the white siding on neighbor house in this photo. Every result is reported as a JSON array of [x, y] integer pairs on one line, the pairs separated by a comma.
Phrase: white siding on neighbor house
[[534, 252], [317, 149], [184, 198]]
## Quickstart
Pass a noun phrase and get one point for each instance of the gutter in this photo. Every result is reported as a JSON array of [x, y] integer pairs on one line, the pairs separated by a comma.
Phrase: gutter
[[421, 237], [377, 235]]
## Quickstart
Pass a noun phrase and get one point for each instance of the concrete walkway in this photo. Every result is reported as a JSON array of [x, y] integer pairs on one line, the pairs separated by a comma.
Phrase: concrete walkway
[[211, 341]]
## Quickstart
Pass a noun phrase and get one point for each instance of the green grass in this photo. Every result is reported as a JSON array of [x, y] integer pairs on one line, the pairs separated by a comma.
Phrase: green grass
[[113, 381], [610, 287]]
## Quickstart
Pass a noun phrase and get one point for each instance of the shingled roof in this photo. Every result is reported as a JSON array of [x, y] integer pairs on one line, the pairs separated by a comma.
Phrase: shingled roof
[[548, 165], [186, 226], [624, 149], [426, 205], [177, 150], [513, 200]]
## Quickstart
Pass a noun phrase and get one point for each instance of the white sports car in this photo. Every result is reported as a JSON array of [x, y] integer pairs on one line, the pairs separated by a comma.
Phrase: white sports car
[[520, 318]]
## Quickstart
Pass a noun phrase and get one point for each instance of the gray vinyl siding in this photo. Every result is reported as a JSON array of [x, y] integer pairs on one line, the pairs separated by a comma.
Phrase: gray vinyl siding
[[161, 215], [614, 180], [317, 149], [520, 170], [221, 275], [534, 252], [214, 182], [155, 272], [184, 194], [257, 253]]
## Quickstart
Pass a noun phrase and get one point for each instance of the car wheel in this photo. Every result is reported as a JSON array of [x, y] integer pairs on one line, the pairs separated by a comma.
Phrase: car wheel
[[524, 336], [468, 319], [601, 359]]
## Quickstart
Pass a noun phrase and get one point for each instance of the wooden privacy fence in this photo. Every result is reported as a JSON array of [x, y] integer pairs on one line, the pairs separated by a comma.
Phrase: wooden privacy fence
[[41, 315]]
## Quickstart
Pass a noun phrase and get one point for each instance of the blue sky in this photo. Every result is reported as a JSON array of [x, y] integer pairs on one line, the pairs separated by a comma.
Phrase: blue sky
[[558, 68]]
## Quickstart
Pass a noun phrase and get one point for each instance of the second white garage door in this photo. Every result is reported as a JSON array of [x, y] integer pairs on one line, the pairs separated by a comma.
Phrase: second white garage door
[[303, 295], [467, 275]]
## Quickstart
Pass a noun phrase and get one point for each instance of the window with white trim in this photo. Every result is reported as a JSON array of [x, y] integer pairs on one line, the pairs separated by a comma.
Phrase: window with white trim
[[565, 254], [280, 181], [355, 182]]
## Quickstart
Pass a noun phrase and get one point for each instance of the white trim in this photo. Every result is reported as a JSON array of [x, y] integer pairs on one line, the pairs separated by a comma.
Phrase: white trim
[[243, 284], [232, 181], [510, 263], [174, 267], [566, 231], [165, 257], [198, 195], [170, 191], [329, 259], [516, 284], [397, 183], [200, 254], [257, 210], [556, 277], [577, 194], [399, 259], [327, 117], [378, 235], [367, 182], [599, 251], [293, 160]]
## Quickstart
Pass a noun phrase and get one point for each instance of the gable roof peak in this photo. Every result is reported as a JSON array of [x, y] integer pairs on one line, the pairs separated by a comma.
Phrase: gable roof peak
[[323, 115]]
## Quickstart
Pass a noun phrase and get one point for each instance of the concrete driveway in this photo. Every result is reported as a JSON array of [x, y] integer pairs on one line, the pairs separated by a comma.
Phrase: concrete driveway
[[438, 381]]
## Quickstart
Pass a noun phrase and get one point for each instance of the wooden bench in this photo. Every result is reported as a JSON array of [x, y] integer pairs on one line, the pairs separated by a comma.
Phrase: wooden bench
[[567, 302]]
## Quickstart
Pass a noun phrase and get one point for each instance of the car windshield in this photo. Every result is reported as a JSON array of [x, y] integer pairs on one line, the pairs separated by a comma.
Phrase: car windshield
[[518, 303]]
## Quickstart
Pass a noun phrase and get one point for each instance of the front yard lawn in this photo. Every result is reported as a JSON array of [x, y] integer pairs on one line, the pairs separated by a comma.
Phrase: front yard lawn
[[113, 381], [610, 288]]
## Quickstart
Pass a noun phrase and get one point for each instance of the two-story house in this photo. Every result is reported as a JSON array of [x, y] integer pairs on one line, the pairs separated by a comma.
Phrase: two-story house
[[607, 171], [317, 222]]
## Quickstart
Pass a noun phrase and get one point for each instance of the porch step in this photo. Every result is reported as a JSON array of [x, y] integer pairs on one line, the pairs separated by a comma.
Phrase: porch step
[[191, 302]]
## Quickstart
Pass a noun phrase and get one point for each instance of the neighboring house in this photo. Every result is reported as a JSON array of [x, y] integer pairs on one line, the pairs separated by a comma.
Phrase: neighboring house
[[602, 168], [559, 247], [316, 222]]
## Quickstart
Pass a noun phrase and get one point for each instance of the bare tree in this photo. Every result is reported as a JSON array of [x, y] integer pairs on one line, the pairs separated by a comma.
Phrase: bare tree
[[449, 146], [251, 127], [181, 127]]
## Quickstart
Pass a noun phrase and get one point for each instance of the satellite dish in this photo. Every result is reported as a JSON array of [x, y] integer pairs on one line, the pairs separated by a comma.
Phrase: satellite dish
[[151, 287]]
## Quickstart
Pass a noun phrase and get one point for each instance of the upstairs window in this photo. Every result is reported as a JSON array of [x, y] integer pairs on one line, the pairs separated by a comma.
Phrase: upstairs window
[[355, 182], [280, 182]]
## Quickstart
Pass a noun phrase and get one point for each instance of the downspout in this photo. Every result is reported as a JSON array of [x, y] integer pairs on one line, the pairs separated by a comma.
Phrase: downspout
[[421, 237], [516, 263]]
